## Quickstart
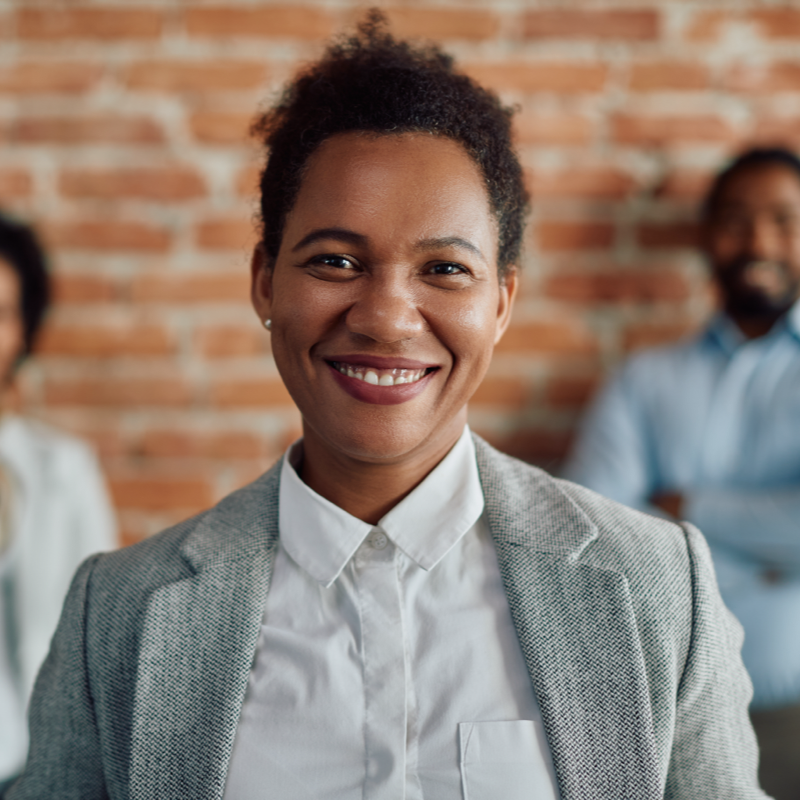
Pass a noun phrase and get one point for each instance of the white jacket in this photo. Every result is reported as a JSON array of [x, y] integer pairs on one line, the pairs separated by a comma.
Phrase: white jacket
[[63, 513]]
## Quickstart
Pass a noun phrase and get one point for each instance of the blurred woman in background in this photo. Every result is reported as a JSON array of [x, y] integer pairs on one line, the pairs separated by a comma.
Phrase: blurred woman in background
[[54, 508]]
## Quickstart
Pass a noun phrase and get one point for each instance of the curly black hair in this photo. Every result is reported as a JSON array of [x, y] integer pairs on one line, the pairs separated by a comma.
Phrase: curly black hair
[[20, 248], [372, 82], [755, 158]]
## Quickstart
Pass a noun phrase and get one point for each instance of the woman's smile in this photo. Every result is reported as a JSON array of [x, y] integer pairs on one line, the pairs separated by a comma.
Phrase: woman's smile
[[385, 299]]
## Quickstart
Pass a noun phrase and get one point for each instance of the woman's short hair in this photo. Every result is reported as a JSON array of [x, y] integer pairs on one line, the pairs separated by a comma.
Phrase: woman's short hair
[[20, 248], [371, 82]]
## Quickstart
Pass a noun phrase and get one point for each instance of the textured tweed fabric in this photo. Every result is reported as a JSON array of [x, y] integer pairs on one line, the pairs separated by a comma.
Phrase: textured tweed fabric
[[633, 657]]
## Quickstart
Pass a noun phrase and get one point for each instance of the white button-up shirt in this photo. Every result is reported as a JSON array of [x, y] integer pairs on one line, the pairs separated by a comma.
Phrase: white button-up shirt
[[388, 666]]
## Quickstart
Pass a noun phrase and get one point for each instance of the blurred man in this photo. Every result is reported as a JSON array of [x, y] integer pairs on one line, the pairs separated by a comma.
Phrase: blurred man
[[709, 430], [54, 509]]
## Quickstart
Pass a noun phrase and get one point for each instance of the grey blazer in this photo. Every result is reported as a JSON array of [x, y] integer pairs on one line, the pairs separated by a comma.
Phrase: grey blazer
[[632, 655]]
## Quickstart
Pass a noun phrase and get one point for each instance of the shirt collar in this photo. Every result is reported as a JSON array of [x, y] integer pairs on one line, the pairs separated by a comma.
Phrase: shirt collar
[[321, 537]]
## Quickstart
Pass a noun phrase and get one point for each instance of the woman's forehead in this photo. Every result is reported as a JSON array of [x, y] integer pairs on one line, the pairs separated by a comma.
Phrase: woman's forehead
[[412, 183]]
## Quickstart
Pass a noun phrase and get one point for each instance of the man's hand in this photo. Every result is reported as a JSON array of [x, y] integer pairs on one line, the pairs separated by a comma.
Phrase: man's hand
[[671, 502]]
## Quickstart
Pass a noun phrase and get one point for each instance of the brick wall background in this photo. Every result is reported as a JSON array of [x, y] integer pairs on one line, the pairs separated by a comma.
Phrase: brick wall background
[[123, 133]]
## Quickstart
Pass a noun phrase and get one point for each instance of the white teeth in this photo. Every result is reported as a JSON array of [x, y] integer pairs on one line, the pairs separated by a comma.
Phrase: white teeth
[[394, 377]]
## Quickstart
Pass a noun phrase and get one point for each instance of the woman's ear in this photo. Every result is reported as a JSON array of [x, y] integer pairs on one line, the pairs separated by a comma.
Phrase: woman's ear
[[508, 292], [260, 283]]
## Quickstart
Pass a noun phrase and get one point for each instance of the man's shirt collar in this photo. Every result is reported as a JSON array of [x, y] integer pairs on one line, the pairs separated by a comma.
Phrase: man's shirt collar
[[727, 334], [321, 537]]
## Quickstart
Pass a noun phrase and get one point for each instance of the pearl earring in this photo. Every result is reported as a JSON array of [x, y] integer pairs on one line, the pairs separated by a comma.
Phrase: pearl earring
[[268, 324]]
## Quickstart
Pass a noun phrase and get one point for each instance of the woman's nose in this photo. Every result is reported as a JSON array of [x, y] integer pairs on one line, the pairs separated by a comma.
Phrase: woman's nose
[[385, 311]]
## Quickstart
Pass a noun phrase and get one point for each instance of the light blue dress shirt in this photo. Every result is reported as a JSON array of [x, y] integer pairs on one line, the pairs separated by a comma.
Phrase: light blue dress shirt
[[717, 418]]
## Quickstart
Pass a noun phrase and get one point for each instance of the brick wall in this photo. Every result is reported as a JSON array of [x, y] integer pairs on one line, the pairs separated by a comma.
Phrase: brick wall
[[123, 130]]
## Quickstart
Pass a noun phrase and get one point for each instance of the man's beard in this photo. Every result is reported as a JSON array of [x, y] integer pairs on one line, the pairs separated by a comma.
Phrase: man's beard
[[757, 289]]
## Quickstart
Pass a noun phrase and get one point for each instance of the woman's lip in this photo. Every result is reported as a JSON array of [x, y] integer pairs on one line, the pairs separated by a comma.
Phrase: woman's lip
[[380, 395], [379, 362]]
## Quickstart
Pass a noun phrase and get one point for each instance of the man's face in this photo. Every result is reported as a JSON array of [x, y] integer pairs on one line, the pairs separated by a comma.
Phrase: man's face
[[384, 299], [11, 329], [753, 241]]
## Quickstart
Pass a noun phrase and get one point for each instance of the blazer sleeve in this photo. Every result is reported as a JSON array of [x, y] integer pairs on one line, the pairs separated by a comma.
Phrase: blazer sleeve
[[714, 753], [64, 759]]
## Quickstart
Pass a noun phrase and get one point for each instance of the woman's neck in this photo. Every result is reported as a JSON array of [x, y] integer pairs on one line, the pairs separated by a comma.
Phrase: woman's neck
[[367, 489]]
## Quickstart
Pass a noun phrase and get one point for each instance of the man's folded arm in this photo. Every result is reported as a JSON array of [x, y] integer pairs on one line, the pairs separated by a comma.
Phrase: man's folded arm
[[763, 524]]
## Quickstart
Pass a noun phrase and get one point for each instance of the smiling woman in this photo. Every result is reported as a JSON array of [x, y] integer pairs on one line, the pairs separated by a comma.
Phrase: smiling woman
[[392, 246], [395, 610]]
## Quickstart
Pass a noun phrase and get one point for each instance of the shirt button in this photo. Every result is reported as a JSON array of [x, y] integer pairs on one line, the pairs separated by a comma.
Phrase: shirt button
[[379, 541]]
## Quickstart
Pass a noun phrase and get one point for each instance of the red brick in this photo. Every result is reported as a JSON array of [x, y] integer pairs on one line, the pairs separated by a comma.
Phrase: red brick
[[192, 287], [225, 341], [15, 183], [561, 236], [170, 443], [620, 286], [776, 131], [108, 235], [668, 75], [162, 492], [247, 183], [443, 23], [89, 129], [293, 21], [541, 76], [556, 338], [250, 393], [652, 334], [585, 183], [152, 183], [533, 127], [779, 22], [502, 392], [637, 24], [656, 131], [221, 127], [708, 25], [83, 288], [668, 234], [196, 76], [118, 392], [685, 185], [39, 77], [780, 76], [227, 234], [105, 341], [88, 22], [570, 391]]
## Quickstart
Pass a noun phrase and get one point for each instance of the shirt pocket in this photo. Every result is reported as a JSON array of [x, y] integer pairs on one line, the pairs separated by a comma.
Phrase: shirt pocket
[[506, 759]]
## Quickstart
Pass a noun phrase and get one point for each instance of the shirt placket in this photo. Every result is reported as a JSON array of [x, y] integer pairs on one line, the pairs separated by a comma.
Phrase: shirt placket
[[382, 643]]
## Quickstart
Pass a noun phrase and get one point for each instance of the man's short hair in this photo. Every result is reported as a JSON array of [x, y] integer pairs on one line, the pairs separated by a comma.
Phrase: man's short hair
[[374, 83], [20, 248], [755, 158]]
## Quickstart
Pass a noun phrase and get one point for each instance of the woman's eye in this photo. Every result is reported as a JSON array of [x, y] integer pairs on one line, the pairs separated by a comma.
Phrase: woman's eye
[[448, 268], [337, 262]]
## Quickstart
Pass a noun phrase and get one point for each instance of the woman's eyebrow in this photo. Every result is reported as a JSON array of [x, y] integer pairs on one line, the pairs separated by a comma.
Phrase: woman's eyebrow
[[448, 241], [342, 234]]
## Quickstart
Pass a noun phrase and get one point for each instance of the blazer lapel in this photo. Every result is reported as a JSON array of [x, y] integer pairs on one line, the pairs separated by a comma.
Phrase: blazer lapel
[[578, 634], [198, 641]]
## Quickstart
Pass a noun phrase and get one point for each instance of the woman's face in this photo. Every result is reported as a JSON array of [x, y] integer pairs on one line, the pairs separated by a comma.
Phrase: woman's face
[[384, 298]]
